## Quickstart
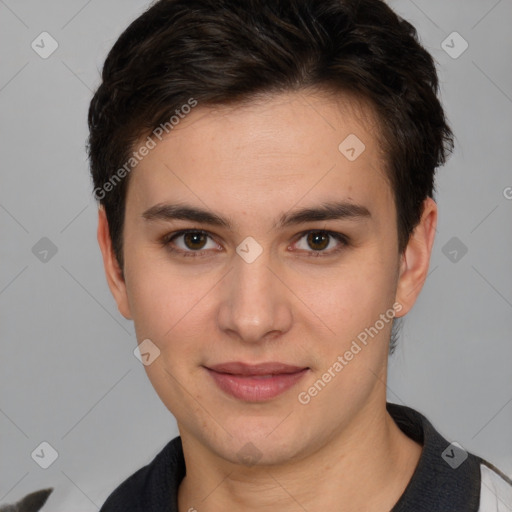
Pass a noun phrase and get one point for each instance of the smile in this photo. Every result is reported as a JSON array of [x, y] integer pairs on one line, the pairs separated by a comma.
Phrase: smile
[[256, 383]]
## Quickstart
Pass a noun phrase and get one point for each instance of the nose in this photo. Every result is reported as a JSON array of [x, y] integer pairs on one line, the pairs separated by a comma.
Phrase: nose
[[255, 304]]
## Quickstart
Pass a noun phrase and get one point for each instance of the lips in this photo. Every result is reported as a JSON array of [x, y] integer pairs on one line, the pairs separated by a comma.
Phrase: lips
[[255, 383], [246, 370]]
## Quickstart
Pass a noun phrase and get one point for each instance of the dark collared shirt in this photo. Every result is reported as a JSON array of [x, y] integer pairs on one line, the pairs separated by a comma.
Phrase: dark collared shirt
[[447, 478]]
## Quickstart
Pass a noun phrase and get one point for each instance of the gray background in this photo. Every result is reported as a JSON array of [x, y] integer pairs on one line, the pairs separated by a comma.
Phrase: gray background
[[68, 373]]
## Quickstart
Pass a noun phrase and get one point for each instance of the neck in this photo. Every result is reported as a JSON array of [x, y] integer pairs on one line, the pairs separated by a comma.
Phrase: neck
[[366, 466]]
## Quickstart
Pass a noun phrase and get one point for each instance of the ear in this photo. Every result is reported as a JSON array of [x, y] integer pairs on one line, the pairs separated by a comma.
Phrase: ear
[[115, 279], [415, 259]]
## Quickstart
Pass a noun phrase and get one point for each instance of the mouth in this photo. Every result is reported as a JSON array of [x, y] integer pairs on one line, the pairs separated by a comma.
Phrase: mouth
[[255, 383]]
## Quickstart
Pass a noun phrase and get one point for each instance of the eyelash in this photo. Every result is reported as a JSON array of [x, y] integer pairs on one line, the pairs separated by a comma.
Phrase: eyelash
[[168, 239]]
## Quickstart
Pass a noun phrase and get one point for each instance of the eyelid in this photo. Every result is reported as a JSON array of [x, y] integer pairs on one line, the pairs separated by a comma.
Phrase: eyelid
[[168, 238], [339, 237]]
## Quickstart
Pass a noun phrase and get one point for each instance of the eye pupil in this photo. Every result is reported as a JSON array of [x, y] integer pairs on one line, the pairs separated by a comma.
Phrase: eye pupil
[[191, 239], [318, 237]]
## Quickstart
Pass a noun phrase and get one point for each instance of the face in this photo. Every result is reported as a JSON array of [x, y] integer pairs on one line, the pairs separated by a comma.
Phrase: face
[[256, 235]]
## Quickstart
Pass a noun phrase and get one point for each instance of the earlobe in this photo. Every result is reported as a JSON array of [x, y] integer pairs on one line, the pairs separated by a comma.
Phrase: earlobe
[[416, 258], [113, 273]]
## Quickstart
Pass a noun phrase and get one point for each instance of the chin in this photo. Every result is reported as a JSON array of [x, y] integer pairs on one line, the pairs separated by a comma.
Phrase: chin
[[262, 445]]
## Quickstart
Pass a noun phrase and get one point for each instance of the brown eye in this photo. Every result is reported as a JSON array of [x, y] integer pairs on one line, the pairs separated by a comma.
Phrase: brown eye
[[192, 243], [318, 240], [195, 240], [322, 243]]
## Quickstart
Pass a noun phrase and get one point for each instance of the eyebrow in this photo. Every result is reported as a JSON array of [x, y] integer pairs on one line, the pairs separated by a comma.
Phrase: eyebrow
[[325, 211]]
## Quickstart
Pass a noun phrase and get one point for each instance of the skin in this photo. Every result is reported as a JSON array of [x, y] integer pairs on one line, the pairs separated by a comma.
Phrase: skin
[[251, 164]]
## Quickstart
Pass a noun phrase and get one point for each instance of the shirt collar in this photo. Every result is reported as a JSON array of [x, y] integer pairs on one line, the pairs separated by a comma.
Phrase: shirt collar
[[434, 486]]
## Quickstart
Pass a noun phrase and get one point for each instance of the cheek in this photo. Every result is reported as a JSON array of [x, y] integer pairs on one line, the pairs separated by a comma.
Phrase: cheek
[[167, 309], [352, 295], [156, 297], [167, 303]]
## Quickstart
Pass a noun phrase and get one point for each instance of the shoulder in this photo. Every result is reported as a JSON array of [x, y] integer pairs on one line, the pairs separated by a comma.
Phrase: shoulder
[[495, 489], [149, 488], [448, 477]]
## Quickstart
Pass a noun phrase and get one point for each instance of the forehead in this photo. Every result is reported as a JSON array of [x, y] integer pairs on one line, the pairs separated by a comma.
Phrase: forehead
[[265, 156]]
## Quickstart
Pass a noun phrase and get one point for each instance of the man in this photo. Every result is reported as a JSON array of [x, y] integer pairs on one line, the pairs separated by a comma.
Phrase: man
[[265, 172]]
